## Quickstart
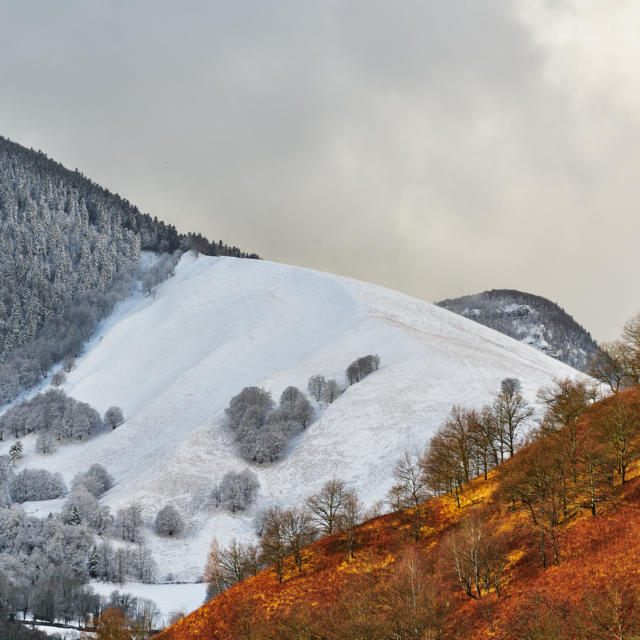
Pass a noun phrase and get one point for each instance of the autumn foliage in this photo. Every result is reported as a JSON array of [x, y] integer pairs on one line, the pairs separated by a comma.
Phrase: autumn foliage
[[547, 546]]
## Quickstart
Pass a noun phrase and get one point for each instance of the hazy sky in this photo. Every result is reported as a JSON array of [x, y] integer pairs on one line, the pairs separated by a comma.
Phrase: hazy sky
[[436, 147]]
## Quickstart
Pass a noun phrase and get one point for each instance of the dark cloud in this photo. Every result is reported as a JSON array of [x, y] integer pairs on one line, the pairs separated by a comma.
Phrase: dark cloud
[[439, 148]]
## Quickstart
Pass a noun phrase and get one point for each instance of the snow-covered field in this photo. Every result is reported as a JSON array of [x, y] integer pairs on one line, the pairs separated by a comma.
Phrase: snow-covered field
[[173, 360]]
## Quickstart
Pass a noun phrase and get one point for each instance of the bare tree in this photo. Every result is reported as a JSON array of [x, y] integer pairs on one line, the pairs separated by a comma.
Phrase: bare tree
[[410, 492], [325, 506], [351, 517], [512, 411], [475, 555], [610, 364], [274, 545], [298, 531]]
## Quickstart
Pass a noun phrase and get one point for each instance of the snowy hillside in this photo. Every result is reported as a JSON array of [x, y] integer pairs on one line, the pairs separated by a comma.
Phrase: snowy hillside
[[172, 361]]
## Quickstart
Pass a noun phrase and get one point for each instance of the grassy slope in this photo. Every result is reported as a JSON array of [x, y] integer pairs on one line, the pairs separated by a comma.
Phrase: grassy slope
[[595, 553]]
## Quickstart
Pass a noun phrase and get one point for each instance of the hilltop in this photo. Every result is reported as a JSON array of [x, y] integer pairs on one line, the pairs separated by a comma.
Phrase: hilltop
[[530, 319]]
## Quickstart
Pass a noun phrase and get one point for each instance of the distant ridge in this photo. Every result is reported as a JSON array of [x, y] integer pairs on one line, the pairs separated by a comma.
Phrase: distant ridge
[[530, 319]]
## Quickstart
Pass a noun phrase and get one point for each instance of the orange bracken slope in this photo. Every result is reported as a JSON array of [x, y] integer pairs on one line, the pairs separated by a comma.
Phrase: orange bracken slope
[[596, 552]]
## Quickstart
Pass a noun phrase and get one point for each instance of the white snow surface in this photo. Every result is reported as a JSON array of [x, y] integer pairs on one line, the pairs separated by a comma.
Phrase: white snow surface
[[169, 598], [173, 360]]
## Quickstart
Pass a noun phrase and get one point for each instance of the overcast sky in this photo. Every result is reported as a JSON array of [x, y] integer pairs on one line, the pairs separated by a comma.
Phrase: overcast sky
[[436, 147]]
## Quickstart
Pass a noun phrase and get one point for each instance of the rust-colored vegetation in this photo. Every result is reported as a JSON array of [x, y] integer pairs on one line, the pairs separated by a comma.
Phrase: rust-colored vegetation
[[547, 546]]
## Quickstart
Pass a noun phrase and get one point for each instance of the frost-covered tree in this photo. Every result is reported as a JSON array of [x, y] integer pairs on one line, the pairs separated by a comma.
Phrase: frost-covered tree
[[58, 378], [168, 521], [331, 392], [113, 417], [316, 386], [53, 412], [237, 491], [261, 433], [69, 363], [129, 522], [96, 480], [362, 367], [250, 408], [16, 453], [36, 484], [6, 475], [295, 407], [44, 443]]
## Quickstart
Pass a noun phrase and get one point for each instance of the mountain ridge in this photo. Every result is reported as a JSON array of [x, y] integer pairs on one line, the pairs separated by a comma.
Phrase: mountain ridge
[[531, 319]]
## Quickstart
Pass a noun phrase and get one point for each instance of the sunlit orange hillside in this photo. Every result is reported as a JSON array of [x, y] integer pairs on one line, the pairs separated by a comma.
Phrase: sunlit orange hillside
[[475, 571]]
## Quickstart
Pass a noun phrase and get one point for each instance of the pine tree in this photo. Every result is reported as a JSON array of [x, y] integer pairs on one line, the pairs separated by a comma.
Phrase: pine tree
[[74, 518], [16, 453]]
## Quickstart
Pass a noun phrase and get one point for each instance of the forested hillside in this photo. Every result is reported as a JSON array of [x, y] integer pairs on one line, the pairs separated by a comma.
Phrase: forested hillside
[[69, 252], [530, 319]]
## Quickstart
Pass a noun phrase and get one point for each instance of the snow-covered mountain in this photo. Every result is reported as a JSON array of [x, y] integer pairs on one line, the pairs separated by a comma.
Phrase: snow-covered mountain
[[530, 319], [173, 360]]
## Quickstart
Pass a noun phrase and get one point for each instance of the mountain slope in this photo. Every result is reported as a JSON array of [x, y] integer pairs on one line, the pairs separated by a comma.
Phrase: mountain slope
[[69, 251], [530, 319], [395, 587], [174, 360]]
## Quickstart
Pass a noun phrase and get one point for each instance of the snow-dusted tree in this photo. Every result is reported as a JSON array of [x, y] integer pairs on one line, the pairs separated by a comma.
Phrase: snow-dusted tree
[[331, 392], [129, 522], [44, 443], [295, 407], [6, 475], [58, 378], [362, 367], [316, 386], [36, 484], [69, 363], [113, 417], [96, 480], [169, 521], [250, 408], [16, 453], [237, 490], [54, 412], [142, 565]]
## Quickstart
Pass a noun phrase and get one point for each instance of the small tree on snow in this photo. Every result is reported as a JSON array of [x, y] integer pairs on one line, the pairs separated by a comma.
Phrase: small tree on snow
[[69, 363], [58, 378], [113, 417], [169, 522], [15, 453], [331, 392], [317, 386]]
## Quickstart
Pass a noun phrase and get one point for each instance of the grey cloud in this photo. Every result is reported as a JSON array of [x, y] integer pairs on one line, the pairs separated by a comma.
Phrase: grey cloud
[[419, 145]]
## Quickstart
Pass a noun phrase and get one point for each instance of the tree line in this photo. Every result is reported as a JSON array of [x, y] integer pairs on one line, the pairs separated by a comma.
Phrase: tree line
[[284, 535]]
